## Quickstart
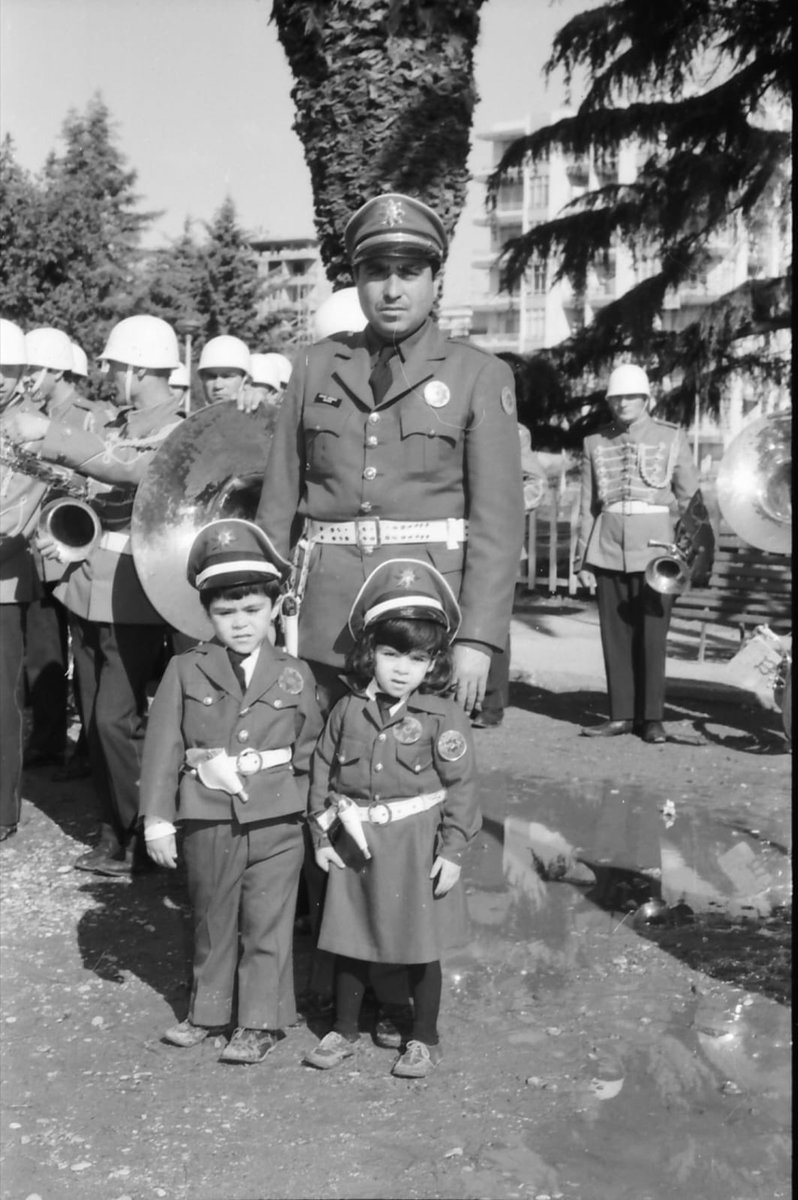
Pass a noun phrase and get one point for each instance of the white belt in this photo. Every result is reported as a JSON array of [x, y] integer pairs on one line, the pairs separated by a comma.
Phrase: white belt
[[379, 812], [374, 531], [113, 540], [221, 771], [630, 508]]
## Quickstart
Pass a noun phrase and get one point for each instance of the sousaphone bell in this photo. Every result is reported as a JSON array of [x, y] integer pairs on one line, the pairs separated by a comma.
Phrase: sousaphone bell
[[209, 467], [755, 483]]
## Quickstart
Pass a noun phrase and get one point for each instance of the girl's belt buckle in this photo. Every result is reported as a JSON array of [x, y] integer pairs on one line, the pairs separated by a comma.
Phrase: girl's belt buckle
[[379, 813]]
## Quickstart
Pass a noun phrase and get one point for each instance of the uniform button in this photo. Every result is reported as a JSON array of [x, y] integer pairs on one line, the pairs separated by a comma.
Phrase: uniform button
[[244, 712], [370, 473], [278, 704], [368, 549], [371, 441], [207, 699], [381, 737], [366, 506], [373, 418], [417, 768], [243, 736], [376, 797], [378, 767]]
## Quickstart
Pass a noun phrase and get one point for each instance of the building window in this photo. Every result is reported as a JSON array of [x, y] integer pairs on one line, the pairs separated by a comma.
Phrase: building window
[[539, 191], [539, 280], [537, 325]]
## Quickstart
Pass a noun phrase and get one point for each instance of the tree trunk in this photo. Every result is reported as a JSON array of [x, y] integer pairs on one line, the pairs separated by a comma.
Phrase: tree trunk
[[384, 93]]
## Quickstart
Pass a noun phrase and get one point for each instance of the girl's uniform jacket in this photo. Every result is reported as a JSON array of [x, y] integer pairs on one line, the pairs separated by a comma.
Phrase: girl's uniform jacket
[[199, 705], [383, 909]]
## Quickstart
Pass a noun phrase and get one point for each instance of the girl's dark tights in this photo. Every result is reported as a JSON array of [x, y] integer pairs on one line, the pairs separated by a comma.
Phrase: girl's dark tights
[[425, 980]]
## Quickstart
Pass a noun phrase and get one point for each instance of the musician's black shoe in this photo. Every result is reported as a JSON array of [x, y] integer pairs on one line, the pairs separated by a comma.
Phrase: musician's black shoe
[[653, 732], [608, 729]]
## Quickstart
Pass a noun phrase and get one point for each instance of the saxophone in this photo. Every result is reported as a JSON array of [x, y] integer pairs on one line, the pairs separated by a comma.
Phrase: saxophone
[[67, 516]]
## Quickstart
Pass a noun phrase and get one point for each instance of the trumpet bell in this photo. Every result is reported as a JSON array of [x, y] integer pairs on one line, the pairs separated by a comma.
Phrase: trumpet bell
[[210, 466], [73, 525], [667, 574], [755, 483]]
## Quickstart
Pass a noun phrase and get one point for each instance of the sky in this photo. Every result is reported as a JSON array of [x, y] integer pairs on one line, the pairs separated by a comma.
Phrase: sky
[[199, 91]]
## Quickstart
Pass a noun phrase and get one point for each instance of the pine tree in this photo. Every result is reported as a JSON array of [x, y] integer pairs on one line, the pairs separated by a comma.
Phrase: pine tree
[[695, 83], [172, 279], [22, 236], [230, 288]]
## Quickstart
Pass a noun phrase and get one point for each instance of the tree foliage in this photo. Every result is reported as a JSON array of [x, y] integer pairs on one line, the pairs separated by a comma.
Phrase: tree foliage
[[695, 85], [384, 94]]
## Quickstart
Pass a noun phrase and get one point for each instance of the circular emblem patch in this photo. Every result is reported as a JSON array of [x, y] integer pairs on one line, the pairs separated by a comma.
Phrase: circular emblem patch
[[451, 745], [407, 731], [508, 401], [437, 394], [291, 681]]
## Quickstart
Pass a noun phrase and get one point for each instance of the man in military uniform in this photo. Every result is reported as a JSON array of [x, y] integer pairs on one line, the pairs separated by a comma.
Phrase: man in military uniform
[[118, 637], [631, 471], [396, 441]]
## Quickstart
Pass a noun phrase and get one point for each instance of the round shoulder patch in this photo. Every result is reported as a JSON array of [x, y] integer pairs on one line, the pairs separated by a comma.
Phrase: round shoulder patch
[[451, 745], [291, 681], [407, 731], [508, 400]]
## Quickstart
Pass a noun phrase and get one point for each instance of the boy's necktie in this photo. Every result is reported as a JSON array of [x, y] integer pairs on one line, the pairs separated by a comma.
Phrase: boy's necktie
[[236, 660]]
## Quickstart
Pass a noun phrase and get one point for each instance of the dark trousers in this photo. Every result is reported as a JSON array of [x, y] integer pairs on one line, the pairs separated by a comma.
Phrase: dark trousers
[[242, 884], [12, 652], [634, 623], [114, 665], [46, 660], [497, 689]]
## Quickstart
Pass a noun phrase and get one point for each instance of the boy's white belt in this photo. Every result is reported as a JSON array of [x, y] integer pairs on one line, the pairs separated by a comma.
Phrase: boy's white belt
[[630, 508], [375, 531], [220, 771]]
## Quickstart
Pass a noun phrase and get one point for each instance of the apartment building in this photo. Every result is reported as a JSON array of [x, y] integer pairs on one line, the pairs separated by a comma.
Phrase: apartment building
[[295, 283]]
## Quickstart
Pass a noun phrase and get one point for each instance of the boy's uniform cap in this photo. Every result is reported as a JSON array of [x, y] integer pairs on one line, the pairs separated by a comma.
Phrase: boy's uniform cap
[[229, 552], [405, 587], [395, 225]]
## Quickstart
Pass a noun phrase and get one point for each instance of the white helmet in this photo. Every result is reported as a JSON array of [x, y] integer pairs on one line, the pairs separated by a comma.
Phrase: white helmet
[[143, 342], [264, 371], [50, 348], [180, 377], [282, 366], [12, 345], [227, 352], [80, 363], [628, 380], [339, 313]]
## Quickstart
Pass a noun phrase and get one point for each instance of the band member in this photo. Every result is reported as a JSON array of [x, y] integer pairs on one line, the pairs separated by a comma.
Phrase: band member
[[117, 636], [224, 369], [631, 471]]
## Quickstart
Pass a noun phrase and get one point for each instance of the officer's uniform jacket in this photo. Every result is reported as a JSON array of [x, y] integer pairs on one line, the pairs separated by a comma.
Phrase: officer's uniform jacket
[[442, 443], [105, 586], [426, 745], [644, 465], [199, 705]]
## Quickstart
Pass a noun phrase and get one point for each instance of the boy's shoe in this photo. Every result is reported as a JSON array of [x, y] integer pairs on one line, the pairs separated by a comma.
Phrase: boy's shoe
[[391, 1028], [331, 1050], [187, 1034], [249, 1045], [417, 1060]]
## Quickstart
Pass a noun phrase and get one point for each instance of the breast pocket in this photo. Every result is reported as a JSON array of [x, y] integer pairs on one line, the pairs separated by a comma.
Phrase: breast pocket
[[430, 439], [415, 759], [323, 427], [203, 715]]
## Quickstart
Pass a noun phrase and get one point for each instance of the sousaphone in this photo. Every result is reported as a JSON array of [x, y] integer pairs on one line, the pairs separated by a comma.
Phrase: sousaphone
[[209, 467], [755, 483]]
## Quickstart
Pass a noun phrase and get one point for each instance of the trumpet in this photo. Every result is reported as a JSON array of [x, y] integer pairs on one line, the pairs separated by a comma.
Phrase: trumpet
[[67, 517], [688, 558]]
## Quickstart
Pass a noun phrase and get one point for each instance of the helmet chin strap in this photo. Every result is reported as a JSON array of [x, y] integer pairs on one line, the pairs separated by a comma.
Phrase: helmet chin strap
[[128, 384], [34, 388]]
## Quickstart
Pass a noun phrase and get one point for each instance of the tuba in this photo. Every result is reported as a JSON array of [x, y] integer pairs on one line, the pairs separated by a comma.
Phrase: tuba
[[755, 483], [209, 467]]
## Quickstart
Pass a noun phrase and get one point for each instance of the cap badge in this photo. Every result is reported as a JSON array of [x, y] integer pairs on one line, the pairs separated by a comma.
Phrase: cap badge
[[451, 745], [407, 731], [224, 537], [393, 212], [437, 394], [407, 578]]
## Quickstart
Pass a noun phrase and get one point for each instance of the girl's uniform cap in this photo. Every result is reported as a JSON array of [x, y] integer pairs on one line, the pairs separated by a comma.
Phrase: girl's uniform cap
[[393, 224], [405, 587], [231, 552]]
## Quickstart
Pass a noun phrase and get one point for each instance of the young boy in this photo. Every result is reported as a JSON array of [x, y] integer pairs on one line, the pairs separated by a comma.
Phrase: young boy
[[229, 740]]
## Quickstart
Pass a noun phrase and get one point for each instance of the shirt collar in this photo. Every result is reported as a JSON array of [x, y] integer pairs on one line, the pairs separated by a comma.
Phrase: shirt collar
[[403, 348]]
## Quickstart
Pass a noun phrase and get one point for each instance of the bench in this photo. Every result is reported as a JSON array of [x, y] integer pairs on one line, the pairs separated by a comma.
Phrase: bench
[[747, 587]]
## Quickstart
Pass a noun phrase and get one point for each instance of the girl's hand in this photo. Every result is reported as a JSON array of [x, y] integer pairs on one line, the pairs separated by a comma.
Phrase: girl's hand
[[447, 872], [326, 855], [163, 850]]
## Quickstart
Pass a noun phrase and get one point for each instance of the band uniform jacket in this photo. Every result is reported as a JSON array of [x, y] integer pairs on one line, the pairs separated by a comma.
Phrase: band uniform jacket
[[199, 705], [105, 587], [442, 443], [648, 463], [20, 503]]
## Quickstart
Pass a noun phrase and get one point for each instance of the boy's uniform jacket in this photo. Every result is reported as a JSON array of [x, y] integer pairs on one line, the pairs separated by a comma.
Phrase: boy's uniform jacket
[[199, 705]]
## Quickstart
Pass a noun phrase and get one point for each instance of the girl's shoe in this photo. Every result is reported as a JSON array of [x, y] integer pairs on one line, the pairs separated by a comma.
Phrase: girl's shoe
[[417, 1060], [331, 1050], [187, 1034], [249, 1045], [392, 1027]]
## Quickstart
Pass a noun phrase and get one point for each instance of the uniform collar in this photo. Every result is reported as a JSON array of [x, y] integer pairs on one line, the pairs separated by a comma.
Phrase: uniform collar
[[142, 421], [214, 662], [419, 353]]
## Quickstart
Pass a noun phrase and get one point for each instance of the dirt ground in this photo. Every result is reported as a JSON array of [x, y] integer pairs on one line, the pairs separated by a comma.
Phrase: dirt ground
[[591, 1051]]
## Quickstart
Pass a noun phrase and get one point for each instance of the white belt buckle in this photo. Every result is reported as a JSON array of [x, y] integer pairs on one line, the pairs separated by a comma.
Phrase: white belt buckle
[[361, 537], [379, 814], [248, 762]]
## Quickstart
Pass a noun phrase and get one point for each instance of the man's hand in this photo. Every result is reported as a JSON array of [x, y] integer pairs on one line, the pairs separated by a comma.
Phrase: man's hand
[[163, 850], [247, 401], [586, 578], [326, 855], [25, 426], [447, 874], [471, 667]]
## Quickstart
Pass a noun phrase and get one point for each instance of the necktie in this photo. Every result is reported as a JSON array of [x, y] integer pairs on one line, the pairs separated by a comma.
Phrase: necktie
[[236, 660], [381, 376]]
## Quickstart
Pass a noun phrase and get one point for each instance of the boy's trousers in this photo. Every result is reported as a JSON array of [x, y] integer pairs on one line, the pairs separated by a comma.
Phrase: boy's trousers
[[242, 883]]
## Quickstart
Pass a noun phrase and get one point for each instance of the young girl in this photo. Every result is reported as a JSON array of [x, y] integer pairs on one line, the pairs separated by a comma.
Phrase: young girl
[[393, 805]]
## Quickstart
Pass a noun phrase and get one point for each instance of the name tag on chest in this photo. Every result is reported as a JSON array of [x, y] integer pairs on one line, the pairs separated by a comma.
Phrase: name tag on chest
[[330, 401]]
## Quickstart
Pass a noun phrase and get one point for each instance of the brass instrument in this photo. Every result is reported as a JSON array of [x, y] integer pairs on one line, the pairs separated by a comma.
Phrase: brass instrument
[[210, 466], [755, 483], [688, 558], [67, 518]]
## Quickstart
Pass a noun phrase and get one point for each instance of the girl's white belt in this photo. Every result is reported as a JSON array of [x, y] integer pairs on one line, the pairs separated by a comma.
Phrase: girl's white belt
[[630, 508], [379, 812], [374, 531]]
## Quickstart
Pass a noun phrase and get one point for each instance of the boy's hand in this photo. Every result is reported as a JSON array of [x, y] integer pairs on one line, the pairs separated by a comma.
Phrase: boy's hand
[[163, 850], [326, 855], [447, 872]]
